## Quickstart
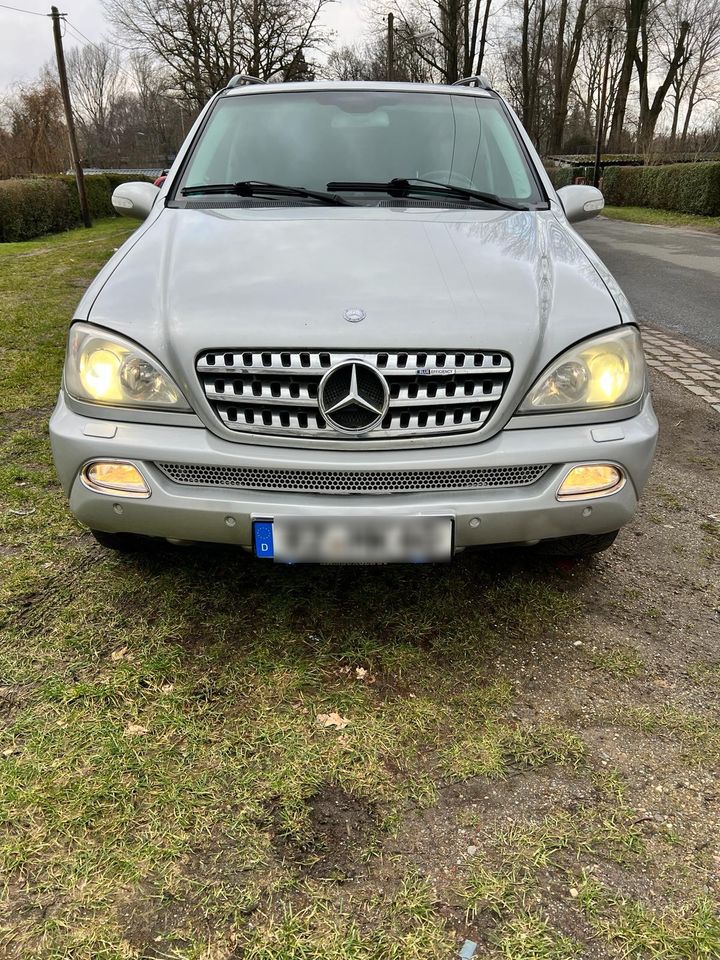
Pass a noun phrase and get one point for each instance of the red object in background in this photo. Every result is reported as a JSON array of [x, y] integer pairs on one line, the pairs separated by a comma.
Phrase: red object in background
[[160, 180]]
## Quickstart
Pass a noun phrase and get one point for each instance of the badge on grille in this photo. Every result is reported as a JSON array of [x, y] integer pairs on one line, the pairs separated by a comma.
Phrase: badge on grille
[[353, 397]]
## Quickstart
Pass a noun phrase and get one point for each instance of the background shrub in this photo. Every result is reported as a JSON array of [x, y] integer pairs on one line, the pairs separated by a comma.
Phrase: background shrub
[[560, 176], [35, 205], [687, 187]]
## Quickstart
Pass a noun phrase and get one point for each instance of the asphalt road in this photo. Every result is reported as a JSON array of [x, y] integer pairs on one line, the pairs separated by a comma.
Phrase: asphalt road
[[671, 276]]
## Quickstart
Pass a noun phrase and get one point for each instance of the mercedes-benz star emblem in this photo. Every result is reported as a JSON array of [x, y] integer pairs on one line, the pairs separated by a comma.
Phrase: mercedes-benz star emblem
[[354, 314], [353, 397]]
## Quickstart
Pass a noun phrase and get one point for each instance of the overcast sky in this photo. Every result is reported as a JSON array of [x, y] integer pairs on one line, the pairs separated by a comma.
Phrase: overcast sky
[[26, 41]]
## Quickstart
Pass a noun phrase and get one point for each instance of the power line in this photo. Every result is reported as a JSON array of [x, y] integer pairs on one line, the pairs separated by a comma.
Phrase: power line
[[32, 13], [81, 36], [78, 31]]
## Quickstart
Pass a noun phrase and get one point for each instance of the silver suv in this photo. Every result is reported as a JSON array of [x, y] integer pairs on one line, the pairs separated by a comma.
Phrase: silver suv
[[355, 326]]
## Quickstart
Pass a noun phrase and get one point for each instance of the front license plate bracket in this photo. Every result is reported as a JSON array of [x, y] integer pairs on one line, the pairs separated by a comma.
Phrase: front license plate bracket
[[354, 540]]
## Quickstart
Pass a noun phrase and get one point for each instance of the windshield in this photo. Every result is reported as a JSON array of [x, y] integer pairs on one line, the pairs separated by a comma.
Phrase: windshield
[[312, 138]]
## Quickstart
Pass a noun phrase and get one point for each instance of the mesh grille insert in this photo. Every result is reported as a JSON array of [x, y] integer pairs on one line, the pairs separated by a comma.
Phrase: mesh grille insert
[[346, 482]]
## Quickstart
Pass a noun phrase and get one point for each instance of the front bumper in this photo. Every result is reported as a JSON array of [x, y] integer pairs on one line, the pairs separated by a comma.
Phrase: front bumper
[[482, 517]]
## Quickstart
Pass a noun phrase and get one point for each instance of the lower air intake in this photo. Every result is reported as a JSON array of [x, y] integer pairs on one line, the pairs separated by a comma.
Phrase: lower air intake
[[347, 482]]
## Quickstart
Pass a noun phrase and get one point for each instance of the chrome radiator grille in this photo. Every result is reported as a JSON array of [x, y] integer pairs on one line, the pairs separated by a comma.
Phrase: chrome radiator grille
[[276, 392], [346, 482]]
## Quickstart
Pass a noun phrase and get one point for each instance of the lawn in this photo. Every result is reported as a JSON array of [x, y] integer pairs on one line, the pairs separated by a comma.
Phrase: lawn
[[202, 756], [665, 218]]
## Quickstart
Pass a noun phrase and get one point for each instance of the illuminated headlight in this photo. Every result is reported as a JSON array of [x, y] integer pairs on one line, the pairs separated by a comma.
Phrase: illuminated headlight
[[606, 371], [101, 367]]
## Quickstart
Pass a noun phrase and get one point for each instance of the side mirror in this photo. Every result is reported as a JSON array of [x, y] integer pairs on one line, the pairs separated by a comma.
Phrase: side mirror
[[580, 202], [134, 199]]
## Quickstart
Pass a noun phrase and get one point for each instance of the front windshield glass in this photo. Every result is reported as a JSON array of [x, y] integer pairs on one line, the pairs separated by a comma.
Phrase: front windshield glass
[[311, 138]]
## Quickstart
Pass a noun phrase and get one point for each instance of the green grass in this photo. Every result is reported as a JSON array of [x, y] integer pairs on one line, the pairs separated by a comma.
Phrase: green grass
[[667, 218], [165, 787], [619, 661], [692, 933]]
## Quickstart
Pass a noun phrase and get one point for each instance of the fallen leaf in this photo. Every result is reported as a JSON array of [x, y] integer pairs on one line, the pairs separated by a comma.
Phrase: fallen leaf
[[135, 730], [332, 720], [119, 653]]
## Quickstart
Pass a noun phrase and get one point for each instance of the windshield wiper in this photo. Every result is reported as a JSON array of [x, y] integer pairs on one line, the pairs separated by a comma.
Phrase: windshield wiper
[[254, 188], [403, 186]]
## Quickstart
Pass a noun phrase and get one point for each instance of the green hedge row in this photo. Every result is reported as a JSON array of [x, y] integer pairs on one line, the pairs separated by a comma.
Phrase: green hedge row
[[560, 176], [36, 205], [685, 187], [633, 159]]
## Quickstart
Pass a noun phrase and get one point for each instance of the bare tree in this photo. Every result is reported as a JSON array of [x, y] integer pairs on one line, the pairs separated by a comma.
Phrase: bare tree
[[568, 43], [702, 55], [96, 83], [369, 61], [202, 43], [448, 36], [532, 38], [650, 110], [587, 81], [33, 138], [634, 13]]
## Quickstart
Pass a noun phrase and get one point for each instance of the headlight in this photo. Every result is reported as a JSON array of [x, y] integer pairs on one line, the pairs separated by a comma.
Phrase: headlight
[[105, 368], [605, 371]]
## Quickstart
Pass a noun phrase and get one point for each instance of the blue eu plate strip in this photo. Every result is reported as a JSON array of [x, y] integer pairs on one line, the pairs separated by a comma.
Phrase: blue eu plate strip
[[263, 539]]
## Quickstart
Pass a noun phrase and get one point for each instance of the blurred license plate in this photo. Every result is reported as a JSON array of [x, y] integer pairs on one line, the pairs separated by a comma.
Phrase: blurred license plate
[[355, 540]]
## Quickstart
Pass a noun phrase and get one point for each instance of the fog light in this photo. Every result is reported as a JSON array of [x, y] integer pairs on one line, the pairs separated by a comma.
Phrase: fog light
[[591, 480], [116, 477]]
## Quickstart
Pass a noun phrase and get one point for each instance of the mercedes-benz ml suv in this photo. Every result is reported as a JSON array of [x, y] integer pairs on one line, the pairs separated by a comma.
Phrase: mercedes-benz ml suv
[[355, 326]]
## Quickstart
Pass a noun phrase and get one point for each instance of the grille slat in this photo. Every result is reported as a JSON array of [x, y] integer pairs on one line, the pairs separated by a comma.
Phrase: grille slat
[[479, 393], [349, 482], [431, 392], [304, 397]]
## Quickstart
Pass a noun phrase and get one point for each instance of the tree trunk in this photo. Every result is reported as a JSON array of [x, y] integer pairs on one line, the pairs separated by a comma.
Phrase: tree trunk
[[634, 12], [525, 65], [565, 67], [691, 104], [483, 37], [652, 113]]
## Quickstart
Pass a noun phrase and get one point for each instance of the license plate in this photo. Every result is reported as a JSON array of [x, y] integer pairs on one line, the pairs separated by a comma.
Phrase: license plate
[[354, 539]]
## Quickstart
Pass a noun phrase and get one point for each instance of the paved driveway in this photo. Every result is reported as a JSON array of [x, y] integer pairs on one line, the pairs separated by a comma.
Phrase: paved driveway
[[671, 275]]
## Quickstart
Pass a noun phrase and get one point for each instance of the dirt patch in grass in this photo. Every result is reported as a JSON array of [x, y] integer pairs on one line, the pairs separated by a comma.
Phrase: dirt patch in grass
[[336, 839]]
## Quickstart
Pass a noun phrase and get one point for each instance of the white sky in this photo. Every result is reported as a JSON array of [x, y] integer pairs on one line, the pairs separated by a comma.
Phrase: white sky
[[26, 41]]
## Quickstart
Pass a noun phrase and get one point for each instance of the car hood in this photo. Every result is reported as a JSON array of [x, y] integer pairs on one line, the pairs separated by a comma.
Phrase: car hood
[[192, 280]]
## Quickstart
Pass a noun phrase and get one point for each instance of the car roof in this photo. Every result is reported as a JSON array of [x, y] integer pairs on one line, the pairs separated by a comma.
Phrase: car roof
[[244, 89]]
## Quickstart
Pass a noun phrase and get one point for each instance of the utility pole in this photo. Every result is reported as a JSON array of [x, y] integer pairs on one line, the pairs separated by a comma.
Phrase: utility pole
[[65, 91], [390, 45], [601, 107]]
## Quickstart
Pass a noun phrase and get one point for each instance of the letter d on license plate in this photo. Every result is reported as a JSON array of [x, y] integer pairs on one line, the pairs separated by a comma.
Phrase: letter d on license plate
[[356, 539]]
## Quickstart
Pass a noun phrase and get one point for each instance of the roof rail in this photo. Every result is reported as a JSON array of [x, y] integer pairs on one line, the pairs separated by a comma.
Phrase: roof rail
[[242, 78], [474, 81]]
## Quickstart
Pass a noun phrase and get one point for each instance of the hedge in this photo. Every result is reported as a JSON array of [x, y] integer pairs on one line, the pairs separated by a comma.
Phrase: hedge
[[560, 176], [687, 188], [36, 205], [633, 159]]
